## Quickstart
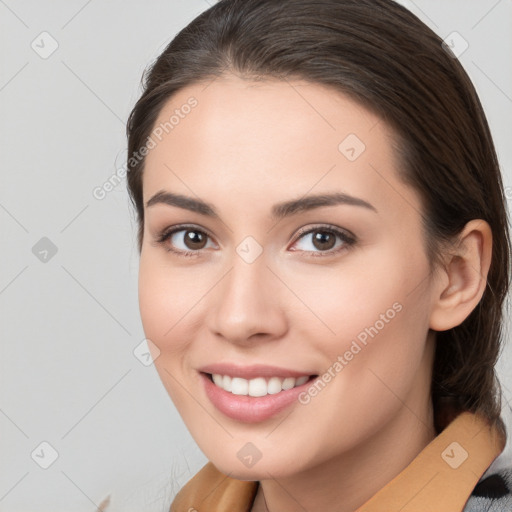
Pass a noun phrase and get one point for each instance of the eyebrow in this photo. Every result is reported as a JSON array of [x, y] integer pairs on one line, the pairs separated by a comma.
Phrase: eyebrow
[[279, 210]]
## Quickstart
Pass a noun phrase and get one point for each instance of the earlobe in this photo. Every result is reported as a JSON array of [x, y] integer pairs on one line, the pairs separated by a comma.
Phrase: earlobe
[[464, 277]]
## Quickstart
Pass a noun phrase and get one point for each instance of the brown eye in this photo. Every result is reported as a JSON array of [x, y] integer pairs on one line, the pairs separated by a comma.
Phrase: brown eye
[[184, 240], [194, 239], [323, 241]]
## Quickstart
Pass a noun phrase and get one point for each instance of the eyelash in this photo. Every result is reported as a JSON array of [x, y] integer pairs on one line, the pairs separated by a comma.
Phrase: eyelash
[[348, 240]]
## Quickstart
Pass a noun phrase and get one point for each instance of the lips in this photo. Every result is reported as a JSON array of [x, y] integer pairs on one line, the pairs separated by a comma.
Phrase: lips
[[244, 406], [254, 371]]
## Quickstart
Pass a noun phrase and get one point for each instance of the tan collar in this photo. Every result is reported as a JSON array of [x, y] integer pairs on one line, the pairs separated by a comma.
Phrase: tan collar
[[440, 478]]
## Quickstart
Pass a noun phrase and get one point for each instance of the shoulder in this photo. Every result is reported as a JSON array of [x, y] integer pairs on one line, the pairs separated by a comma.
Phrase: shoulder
[[209, 489], [492, 493]]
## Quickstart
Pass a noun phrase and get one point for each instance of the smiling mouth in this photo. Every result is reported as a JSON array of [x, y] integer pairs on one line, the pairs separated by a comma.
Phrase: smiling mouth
[[259, 386]]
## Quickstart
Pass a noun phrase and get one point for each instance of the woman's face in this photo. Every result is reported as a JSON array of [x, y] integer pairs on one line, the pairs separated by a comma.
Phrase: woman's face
[[305, 258]]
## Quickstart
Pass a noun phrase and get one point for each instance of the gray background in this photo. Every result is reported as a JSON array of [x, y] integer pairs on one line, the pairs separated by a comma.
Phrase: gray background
[[69, 319]]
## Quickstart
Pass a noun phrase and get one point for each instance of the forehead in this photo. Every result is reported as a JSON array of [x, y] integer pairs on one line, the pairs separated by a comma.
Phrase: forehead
[[271, 139]]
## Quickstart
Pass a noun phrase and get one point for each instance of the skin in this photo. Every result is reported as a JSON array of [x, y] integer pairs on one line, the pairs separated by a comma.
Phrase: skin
[[246, 146]]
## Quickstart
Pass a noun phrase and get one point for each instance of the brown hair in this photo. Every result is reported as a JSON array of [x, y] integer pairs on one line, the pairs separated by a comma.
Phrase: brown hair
[[382, 56]]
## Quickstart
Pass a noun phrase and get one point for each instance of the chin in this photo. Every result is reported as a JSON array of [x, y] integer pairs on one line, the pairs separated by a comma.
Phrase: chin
[[253, 474], [261, 470]]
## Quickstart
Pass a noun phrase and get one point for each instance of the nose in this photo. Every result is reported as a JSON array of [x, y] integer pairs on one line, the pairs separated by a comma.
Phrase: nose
[[247, 303]]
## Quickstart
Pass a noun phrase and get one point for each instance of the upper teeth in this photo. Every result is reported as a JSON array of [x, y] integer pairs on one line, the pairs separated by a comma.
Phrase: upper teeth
[[258, 386]]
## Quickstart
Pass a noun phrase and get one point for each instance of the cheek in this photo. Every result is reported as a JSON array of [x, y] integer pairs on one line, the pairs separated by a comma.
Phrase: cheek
[[371, 325], [163, 304], [367, 294], [163, 300], [372, 367]]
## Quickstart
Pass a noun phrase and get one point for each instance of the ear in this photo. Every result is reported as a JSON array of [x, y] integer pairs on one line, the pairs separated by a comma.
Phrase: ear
[[463, 279]]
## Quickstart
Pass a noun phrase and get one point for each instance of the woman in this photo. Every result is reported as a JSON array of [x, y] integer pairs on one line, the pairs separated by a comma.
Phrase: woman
[[324, 254]]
